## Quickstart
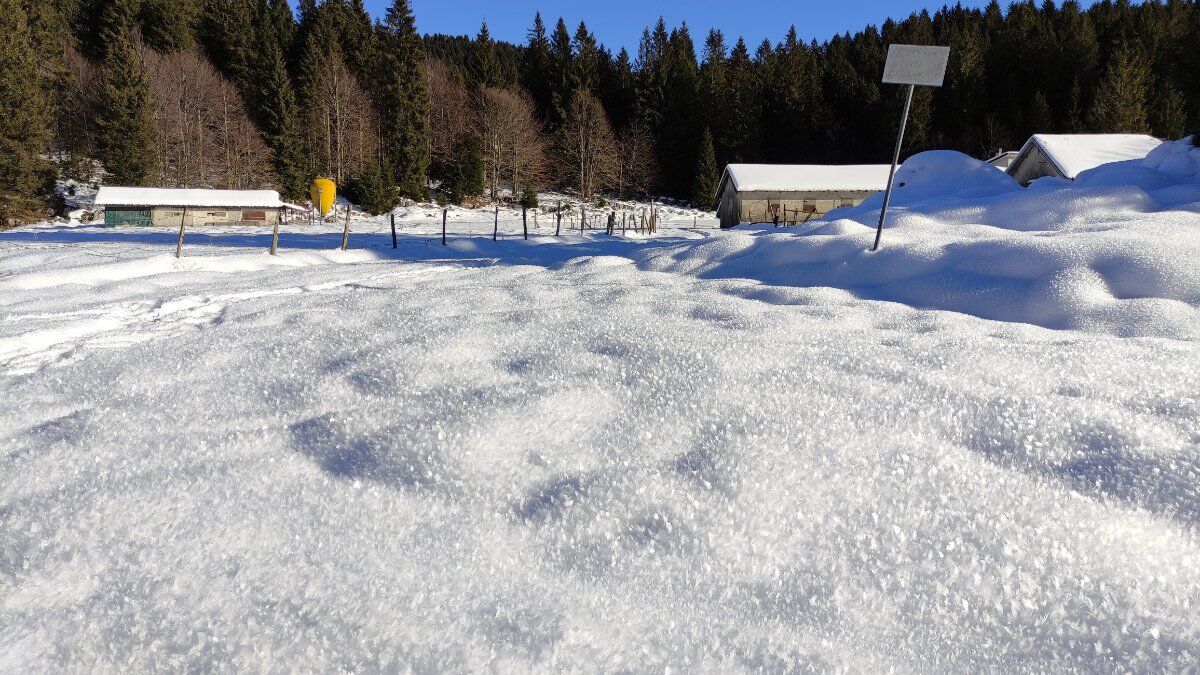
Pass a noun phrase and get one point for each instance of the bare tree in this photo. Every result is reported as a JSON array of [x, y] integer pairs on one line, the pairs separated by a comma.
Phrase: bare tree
[[450, 116], [511, 138], [587, 146], [344, 121], [637, 164], [206, 136]]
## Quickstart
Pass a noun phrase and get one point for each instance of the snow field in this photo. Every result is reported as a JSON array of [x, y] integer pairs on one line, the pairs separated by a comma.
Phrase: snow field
[[701, 451]]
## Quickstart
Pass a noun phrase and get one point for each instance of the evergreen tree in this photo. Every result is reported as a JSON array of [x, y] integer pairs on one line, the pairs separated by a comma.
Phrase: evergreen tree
[[226, 30], [743, 105], [705, 187], [585, 71], [1169, 118], [167, 25], [23, 127], [714, 85], [465, 175], [535, 67], [679, 133], [373, 189], [561, 64], [273, 104], [126, 142], [403, 101], [1121, 97], [483, 62]]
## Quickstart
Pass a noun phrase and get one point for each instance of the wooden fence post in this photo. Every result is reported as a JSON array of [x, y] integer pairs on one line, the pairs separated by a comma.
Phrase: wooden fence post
[[274, 231], [444, 211], [346, 229], [524, 221], [394, 244], [582, 218], [179, 246], [558, 222], [496, 224]]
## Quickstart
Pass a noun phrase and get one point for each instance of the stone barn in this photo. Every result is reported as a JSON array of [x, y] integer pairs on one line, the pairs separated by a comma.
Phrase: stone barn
[[171, 207], [1068, 155], [793, 193]]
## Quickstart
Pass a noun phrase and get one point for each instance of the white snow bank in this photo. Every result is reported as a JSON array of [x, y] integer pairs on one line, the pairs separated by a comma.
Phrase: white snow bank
[[437, 467], [800, 177], [110, 195], [1113, 253]]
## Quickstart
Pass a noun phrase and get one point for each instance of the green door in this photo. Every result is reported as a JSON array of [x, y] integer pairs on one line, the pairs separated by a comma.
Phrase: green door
[[123, 215]]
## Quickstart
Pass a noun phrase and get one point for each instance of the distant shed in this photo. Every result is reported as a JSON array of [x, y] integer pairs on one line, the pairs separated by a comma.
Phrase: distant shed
[[171, 207], [757, 193], [1068, 155], [1004, 160]]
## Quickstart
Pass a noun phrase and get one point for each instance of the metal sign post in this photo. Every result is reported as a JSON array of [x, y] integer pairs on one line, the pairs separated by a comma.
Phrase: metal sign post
[[911, 65]]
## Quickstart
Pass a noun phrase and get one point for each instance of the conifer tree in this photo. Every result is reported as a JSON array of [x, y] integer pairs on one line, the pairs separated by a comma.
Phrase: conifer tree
[[483, 59], [585, 71], [714, 85], [561, 64], [1121, 97], [705, 186], [23, 127], [1169, 118], [742, 130], [167, 25], [403, 101], [535, 67], [126, 143], [273, 103]]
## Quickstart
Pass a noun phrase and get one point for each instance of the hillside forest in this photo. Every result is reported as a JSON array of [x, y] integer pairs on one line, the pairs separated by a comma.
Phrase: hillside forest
[[250, 93]]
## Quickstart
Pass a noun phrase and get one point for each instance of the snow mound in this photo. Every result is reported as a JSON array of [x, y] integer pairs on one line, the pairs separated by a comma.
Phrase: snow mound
[[1111, 253]]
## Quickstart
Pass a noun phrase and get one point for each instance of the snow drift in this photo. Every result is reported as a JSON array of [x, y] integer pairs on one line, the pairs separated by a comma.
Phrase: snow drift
[[1114, 252]]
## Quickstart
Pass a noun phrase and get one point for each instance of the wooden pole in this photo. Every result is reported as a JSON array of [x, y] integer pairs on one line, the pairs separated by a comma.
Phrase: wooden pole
[[582, 217], [394, 244], [524, 221], [179, 246], [444, 211], [275, 231], [558, 221], [346, 229], [496, 225]]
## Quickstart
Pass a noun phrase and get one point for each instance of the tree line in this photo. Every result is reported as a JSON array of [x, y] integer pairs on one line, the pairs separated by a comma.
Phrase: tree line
[[238, 93]]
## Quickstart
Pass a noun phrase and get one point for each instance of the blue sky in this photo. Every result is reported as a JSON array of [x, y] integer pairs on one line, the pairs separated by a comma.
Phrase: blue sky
[[619, 22]]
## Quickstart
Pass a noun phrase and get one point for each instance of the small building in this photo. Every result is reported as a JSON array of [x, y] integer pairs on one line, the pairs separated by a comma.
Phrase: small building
[[171, 207], [1004, 160], [793, 193], [1068, 155]]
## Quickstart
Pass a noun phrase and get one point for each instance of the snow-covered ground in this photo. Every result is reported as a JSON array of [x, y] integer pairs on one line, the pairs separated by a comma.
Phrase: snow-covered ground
[[699, 450]]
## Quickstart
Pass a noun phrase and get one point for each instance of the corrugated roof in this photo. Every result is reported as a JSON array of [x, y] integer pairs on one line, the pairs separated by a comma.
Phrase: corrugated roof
[[139, 196], [1075, 153], [807, 177]]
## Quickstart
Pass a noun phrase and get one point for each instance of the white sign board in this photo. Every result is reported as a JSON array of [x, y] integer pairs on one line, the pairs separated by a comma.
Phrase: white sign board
[[914, 64]]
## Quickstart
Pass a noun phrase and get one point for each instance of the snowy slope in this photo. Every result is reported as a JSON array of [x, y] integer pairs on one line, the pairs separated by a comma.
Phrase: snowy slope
[[630, 453], [1113, 252]]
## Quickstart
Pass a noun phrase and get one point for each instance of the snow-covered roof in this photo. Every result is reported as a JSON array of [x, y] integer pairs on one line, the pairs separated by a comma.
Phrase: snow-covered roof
[[1075, 153], [806, 177], [140, 196]]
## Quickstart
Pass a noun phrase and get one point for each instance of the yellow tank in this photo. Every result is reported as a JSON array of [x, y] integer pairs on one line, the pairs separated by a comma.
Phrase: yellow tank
[[323, 192]]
